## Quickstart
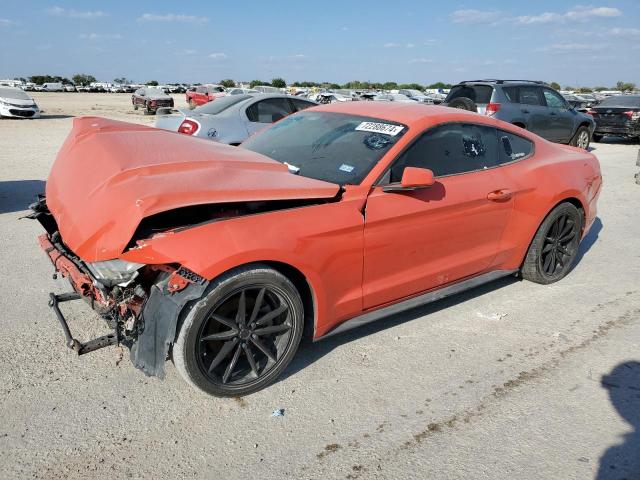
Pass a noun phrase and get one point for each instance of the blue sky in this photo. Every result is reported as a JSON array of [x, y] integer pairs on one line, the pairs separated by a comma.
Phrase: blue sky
[[410, 41]]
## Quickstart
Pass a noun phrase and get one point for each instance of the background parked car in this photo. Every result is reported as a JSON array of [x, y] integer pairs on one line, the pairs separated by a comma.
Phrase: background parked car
[[151, 99], [577, 102], [69, 88], [528, 104], [52, 87], [393, 97], [14, 102], [416, 95], [618, 115], [241, 91], [202, 94], [234, 118]]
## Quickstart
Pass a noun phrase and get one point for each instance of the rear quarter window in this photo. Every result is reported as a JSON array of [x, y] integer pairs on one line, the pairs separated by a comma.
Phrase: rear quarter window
[[513, 147], [477, 93]]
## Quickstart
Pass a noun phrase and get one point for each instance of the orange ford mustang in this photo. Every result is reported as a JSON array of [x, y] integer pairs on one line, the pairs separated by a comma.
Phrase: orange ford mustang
[[221, 257]]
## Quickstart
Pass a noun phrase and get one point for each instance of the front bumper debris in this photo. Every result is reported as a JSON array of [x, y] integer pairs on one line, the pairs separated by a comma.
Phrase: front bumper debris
[[79, 347]]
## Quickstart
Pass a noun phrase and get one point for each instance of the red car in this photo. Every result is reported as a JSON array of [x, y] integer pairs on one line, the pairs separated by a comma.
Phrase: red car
[[202, 94], [222, 257], [150, 100]]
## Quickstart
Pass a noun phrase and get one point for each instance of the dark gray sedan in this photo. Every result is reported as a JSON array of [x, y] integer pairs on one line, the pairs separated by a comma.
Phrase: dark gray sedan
[[234, 118]]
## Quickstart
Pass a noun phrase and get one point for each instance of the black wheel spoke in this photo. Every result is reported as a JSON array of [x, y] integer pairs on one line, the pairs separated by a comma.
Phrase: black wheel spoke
[[561, 223], [249, 355], [547, 248], [261, 346], [547, 263], [271, 315], [222, 353], [567, 237], [241, 314], [562, 250], [257, 305], [560, 260], [225, 321], [228, 335], [272, 329], [567, 228], [232, 365]]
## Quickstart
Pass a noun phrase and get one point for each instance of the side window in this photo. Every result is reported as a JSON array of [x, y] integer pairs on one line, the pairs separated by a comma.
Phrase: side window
[[530, 96], [513, 147], [201, 89], [553, 99], [449, 150], [269, 110], [511, 93], [300, 104]]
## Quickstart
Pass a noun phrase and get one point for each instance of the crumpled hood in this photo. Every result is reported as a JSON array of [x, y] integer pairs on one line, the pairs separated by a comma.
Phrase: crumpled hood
[[109, 175]]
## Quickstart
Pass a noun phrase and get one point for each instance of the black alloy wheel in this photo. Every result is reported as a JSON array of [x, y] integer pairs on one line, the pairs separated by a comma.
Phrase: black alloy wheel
[[242, 334], [555, 245]]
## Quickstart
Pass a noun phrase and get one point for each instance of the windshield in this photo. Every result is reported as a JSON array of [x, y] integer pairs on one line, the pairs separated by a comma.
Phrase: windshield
[[333, 147], [14, 93], [221, 104], [415, 93], [621, 101], [477, 93]]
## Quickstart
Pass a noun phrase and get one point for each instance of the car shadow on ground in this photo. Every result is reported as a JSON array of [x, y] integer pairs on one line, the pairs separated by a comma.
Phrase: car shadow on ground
[[310, 352], [623, 460], [17, 195], [54, 116]]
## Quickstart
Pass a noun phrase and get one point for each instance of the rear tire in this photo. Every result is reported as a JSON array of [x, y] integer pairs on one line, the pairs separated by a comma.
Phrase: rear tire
[[135, 106], [240, 336], [192, 104], [555, 246], [581, 138], [597, 137]]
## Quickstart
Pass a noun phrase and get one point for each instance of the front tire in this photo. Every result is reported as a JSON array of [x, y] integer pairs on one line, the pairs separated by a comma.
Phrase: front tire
[[597, 137], [555, 245], [240, 336]]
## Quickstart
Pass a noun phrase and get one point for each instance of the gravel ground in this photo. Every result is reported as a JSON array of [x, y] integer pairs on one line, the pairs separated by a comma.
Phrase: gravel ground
[[505, 381]]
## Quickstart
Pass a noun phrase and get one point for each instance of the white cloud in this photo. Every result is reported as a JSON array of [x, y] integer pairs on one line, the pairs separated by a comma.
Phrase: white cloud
[[573, 47], [218, 56], [61, 12], [579, 13], [100, 36], [5, 23], [172, 17], [188, 51], [625, 32], [475, 16], [398, 45], [420, 60]]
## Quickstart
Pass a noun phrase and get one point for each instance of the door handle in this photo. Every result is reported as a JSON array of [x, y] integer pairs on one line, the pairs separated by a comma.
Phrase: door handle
[[553, 113], [499, 195], [524, 110]]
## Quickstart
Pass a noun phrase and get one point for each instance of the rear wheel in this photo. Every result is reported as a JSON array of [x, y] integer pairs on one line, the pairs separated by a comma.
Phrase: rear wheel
[[242, 334], [135, 106], [192, 104], [597, 137], [555, 245], [581, 138]]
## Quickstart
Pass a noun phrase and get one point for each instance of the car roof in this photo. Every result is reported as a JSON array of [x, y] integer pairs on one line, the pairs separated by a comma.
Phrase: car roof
[[409, 114]]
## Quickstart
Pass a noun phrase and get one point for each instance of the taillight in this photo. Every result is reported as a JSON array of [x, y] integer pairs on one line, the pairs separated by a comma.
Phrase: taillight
[[591, 112], [492, 109], [188, 127], [632, 115]]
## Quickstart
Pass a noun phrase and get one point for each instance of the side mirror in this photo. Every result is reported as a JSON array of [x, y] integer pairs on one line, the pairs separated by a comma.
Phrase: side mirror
[[413, 178]]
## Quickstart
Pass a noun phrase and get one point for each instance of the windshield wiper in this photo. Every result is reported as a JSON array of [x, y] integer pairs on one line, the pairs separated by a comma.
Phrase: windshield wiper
[[292, 168]]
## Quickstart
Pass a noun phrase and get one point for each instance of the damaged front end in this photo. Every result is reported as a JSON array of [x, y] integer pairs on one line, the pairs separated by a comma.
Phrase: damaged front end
[[140, 303]]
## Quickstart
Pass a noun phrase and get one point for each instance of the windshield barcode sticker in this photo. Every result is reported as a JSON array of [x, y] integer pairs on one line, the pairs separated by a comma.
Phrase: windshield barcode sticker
[[386, 128]]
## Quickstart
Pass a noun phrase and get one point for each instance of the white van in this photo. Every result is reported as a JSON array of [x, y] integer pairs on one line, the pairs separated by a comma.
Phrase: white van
[[52, 87]]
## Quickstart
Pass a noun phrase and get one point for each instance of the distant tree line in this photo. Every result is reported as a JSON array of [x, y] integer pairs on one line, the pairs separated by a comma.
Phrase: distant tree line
[[84, 79]]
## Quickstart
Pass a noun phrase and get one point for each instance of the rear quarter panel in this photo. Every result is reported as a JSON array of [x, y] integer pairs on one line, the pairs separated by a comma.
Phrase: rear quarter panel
[[554, 173]]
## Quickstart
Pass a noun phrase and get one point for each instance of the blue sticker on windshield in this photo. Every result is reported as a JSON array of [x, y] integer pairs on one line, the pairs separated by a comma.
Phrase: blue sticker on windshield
[[346, 168]]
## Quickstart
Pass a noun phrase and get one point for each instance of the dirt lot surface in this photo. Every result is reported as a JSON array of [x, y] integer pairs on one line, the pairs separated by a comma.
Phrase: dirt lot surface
[[511, 380]]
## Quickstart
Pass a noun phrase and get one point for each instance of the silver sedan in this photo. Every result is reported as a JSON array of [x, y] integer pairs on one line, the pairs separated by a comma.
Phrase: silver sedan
[[234, 118]]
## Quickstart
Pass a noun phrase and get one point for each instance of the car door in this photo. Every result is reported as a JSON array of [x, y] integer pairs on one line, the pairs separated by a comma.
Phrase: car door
[[560, 116], [534, 110], [424, 239], [265, 112]]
